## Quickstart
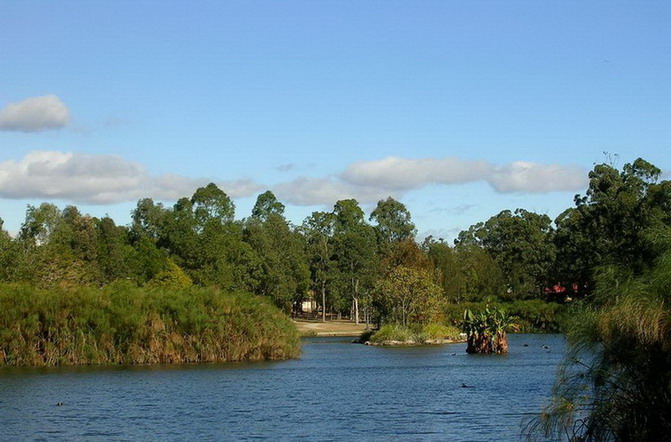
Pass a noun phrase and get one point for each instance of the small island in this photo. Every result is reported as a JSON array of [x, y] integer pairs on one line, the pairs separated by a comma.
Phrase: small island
[[396, 335]]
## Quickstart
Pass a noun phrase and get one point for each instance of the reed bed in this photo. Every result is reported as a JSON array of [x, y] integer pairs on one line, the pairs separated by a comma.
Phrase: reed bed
[[123, 324]]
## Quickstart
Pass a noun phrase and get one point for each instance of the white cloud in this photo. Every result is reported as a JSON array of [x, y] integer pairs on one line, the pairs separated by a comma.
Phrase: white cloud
[[34, 114], [370, 181], [105, 179], [326, 191], [407, 173], [525, 177], [98, 179]]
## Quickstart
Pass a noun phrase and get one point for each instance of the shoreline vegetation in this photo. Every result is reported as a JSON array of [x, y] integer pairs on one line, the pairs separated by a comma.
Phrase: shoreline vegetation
[[122, 324]]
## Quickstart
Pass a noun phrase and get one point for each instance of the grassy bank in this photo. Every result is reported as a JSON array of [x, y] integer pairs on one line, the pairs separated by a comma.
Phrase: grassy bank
[[122, 324]]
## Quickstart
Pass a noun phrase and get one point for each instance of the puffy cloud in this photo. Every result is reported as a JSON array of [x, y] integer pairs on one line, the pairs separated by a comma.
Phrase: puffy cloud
[[370, 181], [98, 179], [326, 191], [407, 173], [527, 177], [34, 114], [105, 179]]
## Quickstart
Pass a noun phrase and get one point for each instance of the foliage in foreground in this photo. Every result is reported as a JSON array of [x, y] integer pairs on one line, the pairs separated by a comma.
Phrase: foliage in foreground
[[615, 383], [122, 324], [416, 334]]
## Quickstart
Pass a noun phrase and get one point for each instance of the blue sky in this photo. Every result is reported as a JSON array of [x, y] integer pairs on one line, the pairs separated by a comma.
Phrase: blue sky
[[458, 109]]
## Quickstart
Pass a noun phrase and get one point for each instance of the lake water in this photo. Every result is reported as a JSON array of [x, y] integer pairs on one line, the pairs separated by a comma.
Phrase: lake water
[[337, 390]]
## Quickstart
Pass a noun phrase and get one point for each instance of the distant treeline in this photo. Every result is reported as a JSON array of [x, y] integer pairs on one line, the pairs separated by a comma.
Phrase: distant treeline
[[123, 324], [371, 268]]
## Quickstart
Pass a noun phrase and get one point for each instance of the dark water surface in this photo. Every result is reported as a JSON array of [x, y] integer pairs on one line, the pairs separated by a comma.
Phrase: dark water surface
[[335, 391]]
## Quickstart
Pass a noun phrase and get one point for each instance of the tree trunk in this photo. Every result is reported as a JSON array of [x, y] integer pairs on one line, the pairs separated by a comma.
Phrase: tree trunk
[[356, 302], [356, 311], [479, 343], [366, 315], [501, 346], [323, 302], [470, 346]]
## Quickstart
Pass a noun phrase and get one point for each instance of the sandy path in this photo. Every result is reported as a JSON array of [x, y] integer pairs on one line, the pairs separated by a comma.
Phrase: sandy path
[[329, 328]]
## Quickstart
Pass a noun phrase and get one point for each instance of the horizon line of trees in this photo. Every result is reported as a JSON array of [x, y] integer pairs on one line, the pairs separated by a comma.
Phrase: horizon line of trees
[[370, 268]]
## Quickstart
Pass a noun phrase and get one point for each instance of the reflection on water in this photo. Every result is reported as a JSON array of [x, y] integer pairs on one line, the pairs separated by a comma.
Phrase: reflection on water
[[336, 390]]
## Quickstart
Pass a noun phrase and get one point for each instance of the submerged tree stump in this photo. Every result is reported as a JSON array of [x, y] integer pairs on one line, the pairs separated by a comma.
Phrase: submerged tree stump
[[486, 345], [479, 344], [501, 343]]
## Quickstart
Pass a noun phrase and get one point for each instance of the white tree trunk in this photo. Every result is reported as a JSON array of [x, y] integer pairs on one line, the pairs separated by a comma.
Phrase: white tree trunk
[[356, 311], [323, 303], [356, 302]]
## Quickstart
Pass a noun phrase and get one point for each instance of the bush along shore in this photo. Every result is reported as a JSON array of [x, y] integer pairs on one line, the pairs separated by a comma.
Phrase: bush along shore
[[123, 324], [415, 334]]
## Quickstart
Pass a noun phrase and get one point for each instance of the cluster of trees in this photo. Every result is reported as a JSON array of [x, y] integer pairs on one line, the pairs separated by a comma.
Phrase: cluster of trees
[[614, 223], [335, 255], [370, 268]]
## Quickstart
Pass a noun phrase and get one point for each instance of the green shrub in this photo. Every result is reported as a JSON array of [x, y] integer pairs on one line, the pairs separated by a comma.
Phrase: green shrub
[[365, 336], [415, 333], [394, 332], [440, 331]]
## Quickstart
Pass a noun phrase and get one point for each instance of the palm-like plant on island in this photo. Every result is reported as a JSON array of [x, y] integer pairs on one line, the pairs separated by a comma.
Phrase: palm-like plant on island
[[486, 331]]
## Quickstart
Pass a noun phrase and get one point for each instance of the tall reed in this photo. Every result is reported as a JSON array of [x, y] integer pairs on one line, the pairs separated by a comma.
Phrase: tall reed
[[123, 324]]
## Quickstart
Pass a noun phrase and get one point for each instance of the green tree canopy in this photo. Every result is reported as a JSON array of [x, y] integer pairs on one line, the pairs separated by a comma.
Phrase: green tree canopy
[[266, 205], [318, 230], [408, 295], [354, 252], [521, 242], [611, 223], [211, 203], [393, 221]]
